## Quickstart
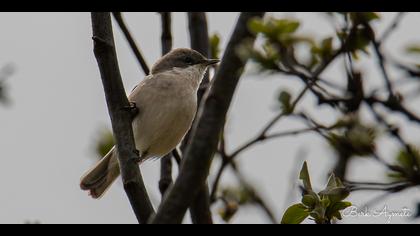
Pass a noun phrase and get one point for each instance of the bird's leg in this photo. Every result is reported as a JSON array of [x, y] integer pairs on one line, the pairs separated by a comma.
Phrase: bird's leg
[[133, 109]]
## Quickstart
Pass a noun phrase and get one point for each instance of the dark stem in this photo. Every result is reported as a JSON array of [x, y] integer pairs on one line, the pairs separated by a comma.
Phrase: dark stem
[[131, 42], [207, 128], [166, 162], [199, 40], [165, 174], [116, 99], [166, 36], [227, 159], [256, 197]]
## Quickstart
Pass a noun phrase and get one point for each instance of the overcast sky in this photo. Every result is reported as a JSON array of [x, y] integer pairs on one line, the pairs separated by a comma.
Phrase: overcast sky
[[47, 134]]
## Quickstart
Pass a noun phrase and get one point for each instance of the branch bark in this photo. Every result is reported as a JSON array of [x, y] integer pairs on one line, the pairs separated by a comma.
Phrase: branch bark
[[199, 40], [166, 161], [207, 128], [117, 102], [166, 36]]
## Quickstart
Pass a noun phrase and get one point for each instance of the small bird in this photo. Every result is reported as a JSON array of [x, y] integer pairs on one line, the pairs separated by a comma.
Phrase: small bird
[[167, 103]]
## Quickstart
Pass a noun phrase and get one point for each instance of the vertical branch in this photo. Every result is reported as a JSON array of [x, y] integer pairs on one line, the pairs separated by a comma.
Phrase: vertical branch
[[166, 37], [131, 42], [207, 128], [117, 102], [199, 40], [166, 162]]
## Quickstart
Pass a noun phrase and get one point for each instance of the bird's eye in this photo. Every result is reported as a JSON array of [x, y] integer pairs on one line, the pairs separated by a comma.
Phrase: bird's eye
[[188, 60]]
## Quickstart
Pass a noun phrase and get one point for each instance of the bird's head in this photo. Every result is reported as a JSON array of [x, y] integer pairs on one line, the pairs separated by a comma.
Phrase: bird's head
[[182, 58]]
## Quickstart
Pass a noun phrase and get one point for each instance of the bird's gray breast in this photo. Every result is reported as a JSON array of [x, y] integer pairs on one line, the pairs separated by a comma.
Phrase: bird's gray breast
[[167, 107]]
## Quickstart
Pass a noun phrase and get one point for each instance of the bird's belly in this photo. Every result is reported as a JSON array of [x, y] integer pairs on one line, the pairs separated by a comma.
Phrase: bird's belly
[[160, 128]]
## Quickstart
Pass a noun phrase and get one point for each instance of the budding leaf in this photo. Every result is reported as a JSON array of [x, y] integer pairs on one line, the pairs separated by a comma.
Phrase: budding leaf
[[304, 176], [295, 214], [413, 49], [310, 200], [334, 209], [285, 102], [105, 143], [215, 45]]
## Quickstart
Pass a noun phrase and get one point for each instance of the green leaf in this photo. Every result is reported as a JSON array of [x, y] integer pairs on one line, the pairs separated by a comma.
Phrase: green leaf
[[288, 26], [274, 29], [256, 25], [335, 190], [228, 211], [304, 176], [295, 214], [334, 209], [326, 48], [359, 17], [105, 142], [340, 206], [215, 45], [332, 182], [285, 101], [325, 202], [357, 140], [310, 200], [370, 16], [413, 49], [335, 194], [319, 213], [408, 160]]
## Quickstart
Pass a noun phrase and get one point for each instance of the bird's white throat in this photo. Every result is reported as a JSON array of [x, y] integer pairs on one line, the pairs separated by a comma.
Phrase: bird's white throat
[[195, 73]]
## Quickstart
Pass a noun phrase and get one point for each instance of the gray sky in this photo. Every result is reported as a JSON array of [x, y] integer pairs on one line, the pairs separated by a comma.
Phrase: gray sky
[[47, 134]]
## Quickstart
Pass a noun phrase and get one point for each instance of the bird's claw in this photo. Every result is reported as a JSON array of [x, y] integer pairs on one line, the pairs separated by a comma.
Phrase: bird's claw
[[132, 108], [138, 158]]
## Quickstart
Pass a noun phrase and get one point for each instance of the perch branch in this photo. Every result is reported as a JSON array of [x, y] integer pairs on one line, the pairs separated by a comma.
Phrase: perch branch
[[117, 102]]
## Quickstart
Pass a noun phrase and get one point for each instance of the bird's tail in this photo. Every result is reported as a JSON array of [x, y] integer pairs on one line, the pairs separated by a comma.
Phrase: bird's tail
[[98, 179]]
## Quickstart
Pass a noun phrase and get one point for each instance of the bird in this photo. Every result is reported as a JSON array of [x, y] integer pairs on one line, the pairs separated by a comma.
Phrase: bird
[[166, 100]]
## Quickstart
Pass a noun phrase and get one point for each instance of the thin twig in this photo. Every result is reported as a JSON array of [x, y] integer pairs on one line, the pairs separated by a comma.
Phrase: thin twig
[[131, 42], [262, 135], [255, 196], [381, 61], [391, 28], [226, 159]]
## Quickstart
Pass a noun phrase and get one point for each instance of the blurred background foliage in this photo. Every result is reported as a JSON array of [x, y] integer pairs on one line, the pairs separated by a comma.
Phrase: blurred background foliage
[[5, 72]]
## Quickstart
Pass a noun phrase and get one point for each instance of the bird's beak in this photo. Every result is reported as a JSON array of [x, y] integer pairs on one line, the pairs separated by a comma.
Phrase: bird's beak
[[211, 61]]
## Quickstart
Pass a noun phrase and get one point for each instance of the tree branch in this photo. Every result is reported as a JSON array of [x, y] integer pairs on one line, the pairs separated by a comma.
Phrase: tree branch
[[199, 40], [228, 159], [207, 129], [117, 102], [165, 173], [131, 42], [166, 161], [166, 36], [309, 80]]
